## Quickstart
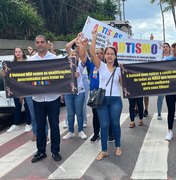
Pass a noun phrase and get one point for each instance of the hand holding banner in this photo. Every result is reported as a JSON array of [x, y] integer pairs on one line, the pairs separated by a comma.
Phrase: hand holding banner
[[105, 32]]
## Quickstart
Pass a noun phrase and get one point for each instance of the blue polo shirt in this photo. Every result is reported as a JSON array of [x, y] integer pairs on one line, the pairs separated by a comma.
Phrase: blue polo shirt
[[93, 74]]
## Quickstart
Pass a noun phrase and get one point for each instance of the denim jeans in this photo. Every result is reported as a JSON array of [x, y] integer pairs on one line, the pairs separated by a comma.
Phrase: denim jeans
[[160, 104], [52, 110], [86, 86], [30, 104], [108, 114], [74, 104], [18, 112]]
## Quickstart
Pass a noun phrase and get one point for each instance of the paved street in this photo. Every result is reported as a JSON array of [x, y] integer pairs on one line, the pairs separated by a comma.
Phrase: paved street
[[146, 155]]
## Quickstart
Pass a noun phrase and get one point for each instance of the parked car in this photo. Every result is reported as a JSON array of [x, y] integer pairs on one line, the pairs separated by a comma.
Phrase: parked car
[[61, 53], [7, 106]]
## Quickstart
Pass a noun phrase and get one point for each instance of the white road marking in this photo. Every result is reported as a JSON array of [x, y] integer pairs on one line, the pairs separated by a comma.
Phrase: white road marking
[[152, 160], [77, 164], [12, 160], [5, 137]]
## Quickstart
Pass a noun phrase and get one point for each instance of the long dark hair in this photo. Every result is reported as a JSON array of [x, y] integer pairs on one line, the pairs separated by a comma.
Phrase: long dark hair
[[167, 44], [116, 64], [24, 54]]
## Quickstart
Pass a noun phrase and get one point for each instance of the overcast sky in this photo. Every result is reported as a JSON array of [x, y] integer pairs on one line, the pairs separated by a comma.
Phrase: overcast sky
[[145, 18]]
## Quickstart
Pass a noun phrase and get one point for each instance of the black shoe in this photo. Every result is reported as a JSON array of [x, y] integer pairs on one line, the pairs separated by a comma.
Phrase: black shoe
[[38, 157], [111, 139], [57, 157], [145, 113], [95, 138]]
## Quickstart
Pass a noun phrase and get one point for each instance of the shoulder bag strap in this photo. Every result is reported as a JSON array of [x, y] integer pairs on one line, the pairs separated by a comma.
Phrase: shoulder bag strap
[[112, 83], [110, 77]]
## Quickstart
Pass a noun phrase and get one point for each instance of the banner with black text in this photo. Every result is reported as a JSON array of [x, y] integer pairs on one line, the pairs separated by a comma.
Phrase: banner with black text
[[29, 78], [146, 79]]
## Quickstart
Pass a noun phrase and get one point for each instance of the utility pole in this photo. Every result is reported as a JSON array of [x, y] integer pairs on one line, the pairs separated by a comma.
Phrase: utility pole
[[123, 9], [119, 10]]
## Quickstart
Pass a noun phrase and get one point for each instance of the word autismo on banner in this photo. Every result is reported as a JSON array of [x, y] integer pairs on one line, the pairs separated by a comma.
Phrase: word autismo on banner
[[128, 50], [136, 50]]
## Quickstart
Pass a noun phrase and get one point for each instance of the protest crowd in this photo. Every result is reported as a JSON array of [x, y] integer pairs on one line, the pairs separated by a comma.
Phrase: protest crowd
[[97, 70]]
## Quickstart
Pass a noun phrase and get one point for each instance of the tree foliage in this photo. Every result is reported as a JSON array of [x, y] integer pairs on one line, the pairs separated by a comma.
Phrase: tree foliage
[[24, 19], [19, 20], [170, 6], [67, 17], [163, 19]]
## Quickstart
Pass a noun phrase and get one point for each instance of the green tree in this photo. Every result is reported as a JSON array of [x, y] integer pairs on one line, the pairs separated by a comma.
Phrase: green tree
[[171, 6], [19, 20], [68, 16]]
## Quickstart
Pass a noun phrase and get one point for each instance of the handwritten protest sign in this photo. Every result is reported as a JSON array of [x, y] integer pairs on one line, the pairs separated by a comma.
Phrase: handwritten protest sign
[[128, 50], [105, 32]]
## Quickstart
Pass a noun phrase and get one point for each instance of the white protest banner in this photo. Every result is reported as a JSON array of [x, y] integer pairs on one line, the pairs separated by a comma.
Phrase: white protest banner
[[105, 32], [137, 50]]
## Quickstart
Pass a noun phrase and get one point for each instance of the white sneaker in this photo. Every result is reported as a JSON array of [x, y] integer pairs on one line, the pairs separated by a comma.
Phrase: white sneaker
[[65, 126], [169, 136], [84, 125], [82, 135], [159, 117], [13, 128], [69, 135], [28, 128]]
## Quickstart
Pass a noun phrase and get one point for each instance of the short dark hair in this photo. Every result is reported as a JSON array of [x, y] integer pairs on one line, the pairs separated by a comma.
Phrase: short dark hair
[[173, 45], [42, 36]]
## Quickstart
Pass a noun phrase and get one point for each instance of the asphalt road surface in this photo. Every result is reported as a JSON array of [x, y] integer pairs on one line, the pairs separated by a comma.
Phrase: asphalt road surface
[[146, 154]]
